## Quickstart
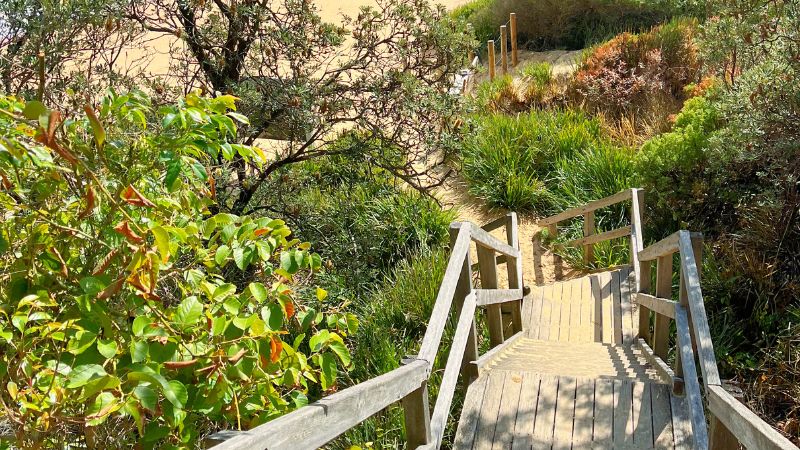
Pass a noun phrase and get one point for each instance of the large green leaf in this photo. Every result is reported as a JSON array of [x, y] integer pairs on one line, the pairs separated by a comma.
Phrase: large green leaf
[[328, 366], [189, 311], [147, 396], [83, 374]]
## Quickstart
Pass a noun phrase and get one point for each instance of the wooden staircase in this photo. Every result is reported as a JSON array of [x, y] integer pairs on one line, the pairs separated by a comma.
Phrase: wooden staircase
[[574, 364]]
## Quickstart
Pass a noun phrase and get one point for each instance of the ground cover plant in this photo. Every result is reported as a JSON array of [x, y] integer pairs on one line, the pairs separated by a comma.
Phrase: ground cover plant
[[131, 312]]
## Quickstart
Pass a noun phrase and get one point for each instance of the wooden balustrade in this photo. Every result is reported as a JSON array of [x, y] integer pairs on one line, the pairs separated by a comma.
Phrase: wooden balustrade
[[319, 423]]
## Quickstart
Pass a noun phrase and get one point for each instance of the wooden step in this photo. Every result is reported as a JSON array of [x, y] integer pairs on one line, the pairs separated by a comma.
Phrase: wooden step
[[507, 409]]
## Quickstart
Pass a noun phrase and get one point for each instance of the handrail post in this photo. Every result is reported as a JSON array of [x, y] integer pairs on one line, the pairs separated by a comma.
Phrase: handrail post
[[588, 230], [417, 415], [663, 290], [641, 269], [463, 289], [514, 270], [487, 265]]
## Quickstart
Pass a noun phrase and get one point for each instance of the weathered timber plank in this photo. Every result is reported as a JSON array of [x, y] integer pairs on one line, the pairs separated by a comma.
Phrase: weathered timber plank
[[663, 290], [441, 410], [584, 414], [558, 307], [637, 233], [526, 412], [545, 413], [599, 237], [664, 247], [702, 333], [316, 424], [617, 305], [658, 305], [691, 384], [470, 412], [547, 312], [486, 240], [626, 305], [642, 415], [507, 417], [496, 296], [751, 431], [608, 307], [536, 301], [662, 416], [623, 413], [591, 206], [603, 413], [597, 308], [565, 413], [514, 269], [487, 419], [587, 311], [444, 299], [487, 358], [574, 329], [565, 323], [681, 423], [488, 275]]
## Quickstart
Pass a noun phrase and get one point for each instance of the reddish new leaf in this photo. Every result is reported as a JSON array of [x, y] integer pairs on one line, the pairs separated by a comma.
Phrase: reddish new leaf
[[90, 203], [124, 229], [174, 365], [135, 198], [275, 347]]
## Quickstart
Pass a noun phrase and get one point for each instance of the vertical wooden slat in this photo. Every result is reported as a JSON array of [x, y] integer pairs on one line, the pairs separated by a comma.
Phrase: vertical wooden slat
[[526, 413], [545, 412], [623, 413], [565, 414], [588, 230], [617, 305], [626, 304], [597, 308], [547, 312], [470, 413], [603, 413], [663, 290], [487, 265], [644, 287], [642, 415], [584, 414], [514, 270], [555, 316], [506, 418], [662, 416], [574, 329], [487, 419], [536, 299]]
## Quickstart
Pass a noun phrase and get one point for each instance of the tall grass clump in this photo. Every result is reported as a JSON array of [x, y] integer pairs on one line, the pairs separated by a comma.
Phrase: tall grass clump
[[513, 162]]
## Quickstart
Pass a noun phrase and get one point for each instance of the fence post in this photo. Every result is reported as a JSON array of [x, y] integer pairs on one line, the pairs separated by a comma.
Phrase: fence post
[[504, 48], [514, 270], [416, 412], [663, 290], [588, 230], [487, 264], [464, 288], [513, 23], [490, 47]]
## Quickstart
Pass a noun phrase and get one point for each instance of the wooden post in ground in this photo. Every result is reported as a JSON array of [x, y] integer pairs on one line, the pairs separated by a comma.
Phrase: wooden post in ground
[[416, 412], [487, 264], [490, 47], [513, 23], [504, 49], [514, 267], [663, 290], [588, 230]]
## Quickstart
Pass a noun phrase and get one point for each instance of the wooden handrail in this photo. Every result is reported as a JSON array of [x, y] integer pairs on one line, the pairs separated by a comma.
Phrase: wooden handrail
[[317, 424], [320, 422], [589, 207], [604, 236], [731, 420]]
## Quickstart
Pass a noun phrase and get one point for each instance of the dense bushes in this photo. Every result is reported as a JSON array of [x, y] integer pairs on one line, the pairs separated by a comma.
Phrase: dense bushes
[[132, 313], [641, 75], [569, 24], [532, 161], [361, 219]]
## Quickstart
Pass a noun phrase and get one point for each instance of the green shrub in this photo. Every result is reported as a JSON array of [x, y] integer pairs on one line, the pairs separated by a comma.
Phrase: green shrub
[[363, 221], [570, 24], [131, 314]]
